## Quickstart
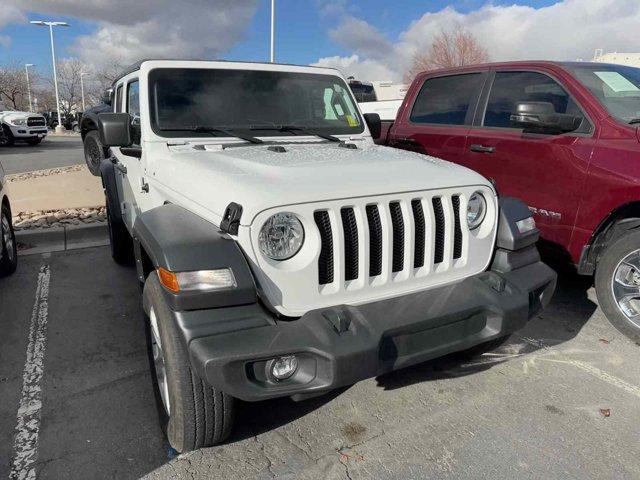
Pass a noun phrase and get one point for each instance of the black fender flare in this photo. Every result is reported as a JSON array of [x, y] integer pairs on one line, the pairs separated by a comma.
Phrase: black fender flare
[[180, 241]]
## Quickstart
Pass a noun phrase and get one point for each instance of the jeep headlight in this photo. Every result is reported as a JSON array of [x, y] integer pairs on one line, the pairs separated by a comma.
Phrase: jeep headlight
[[476, 210], [18, 121], [281, 236]]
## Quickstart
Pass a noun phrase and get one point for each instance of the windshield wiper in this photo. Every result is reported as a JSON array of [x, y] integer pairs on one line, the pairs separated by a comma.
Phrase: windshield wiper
[[296, 128], [208, 129], [634, 121]]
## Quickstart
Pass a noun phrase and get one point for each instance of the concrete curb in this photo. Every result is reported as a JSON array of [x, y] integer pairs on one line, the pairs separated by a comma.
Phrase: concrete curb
[[69, 237]]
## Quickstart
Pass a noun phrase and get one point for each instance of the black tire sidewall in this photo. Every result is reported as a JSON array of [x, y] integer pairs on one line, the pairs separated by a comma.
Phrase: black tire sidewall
[[7, 265], [92, 140], [119, 239], [604, 274], [10, 139]]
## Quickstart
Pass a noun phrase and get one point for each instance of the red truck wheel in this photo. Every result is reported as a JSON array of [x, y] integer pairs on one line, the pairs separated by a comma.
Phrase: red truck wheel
[[618, 284]]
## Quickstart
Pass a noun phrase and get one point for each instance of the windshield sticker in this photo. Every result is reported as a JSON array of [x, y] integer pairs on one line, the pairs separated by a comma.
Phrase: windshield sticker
[[617, 82], [351, 121], [339, 110]]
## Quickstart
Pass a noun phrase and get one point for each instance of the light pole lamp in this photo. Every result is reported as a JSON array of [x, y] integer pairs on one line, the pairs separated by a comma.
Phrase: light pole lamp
[[49, 24], [26, 70], [82, 74]]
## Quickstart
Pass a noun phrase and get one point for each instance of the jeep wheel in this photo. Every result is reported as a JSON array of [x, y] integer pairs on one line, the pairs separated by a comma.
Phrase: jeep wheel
[[193, 414], [7, 139], [119, 239], [618, 284], [93, 152], [8, 247]]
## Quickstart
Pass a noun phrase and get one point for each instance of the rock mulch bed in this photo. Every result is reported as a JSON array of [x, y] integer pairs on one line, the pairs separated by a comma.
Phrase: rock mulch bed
[[59, 218], [16, 177]]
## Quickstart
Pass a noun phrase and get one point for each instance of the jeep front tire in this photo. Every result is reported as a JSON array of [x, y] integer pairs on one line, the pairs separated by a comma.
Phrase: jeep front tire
[[193, 414], [618, 284], [119, 238]]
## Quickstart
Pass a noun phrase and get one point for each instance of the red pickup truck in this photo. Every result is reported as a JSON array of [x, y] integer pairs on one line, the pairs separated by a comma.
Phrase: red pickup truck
[[564, 138]]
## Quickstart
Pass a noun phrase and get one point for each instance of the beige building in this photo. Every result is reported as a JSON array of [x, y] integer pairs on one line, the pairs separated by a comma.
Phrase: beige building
[[629, 59]]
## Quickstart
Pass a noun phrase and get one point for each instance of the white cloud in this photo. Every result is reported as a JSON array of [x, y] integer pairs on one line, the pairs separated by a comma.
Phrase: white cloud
[[354, 66], [362, 38], [130, 30], [9, 14], [567, 30]]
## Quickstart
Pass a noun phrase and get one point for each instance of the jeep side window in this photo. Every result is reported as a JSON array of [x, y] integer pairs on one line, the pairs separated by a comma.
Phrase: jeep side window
[[118, 105], [447, 100], [133, 109], [510, 88]]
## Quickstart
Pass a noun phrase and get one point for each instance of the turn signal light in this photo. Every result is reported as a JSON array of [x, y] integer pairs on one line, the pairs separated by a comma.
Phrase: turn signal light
[[169, 280], [201, 280]]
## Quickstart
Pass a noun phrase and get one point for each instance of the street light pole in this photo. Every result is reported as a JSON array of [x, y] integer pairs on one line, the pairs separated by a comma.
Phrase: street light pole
[[26, 70], [273, 31], [59, 128], [82, 74]]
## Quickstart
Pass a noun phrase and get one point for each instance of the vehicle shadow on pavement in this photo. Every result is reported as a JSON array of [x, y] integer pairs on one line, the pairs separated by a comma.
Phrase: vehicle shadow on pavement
[[561, 321]]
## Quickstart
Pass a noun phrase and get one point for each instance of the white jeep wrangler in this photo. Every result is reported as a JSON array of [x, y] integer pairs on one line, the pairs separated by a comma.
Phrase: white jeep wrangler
[[283, 253], [24, 126]]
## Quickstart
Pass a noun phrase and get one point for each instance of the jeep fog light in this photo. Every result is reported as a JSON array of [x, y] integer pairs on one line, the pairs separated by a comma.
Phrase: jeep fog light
[[281, 236], [282, 368], [476, 210], [526, 225], [201, 280]]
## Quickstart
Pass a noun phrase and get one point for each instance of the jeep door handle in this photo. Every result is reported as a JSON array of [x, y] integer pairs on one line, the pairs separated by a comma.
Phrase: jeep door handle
[[482, 148]]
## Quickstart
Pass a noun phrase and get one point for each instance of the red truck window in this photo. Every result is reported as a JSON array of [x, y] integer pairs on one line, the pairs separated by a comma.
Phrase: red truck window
[[510, 88], [446, 100]]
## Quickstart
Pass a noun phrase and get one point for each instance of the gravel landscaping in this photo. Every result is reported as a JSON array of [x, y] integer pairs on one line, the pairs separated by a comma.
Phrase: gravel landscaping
[[59, 218], [44, 173]]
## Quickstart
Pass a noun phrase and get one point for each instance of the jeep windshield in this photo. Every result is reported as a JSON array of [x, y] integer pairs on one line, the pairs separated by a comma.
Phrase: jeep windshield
[[616, 86], [243, 102]]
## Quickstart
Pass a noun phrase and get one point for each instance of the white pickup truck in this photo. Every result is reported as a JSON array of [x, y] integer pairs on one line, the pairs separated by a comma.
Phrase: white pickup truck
[[22, 126], [283, 253]]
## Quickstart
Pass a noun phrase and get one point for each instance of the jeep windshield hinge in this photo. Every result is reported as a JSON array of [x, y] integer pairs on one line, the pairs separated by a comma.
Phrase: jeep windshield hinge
[[231, 219]]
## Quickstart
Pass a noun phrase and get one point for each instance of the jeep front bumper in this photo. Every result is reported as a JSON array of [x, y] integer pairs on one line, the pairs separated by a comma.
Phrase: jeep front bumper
[[232, 347]]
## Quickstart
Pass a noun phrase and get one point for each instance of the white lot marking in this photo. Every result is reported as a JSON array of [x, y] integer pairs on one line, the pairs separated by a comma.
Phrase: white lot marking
[[25, 446], [602, 375]]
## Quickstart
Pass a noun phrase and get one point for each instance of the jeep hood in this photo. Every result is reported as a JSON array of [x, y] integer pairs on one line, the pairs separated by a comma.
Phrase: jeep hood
[[259, 178]]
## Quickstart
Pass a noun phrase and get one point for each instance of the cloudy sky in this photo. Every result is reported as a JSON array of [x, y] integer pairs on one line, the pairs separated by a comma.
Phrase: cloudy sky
[[372, 39]]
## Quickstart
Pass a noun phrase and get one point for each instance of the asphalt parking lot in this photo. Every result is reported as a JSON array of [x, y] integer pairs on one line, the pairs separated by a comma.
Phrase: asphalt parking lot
[[560, 400], [53, 152]]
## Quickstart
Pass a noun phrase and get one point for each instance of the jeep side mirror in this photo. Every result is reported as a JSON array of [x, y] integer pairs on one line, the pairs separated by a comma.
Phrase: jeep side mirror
[[541, 117], [115, 129], [106, 96], [374, 124]]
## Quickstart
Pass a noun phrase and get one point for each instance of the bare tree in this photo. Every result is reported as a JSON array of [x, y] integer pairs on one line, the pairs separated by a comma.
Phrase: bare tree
[[13, 86], [451, 48], [69, 85], [100, 80]]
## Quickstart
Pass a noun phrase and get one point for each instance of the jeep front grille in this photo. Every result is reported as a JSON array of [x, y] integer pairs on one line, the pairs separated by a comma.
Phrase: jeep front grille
[[412, 218], [369, 248], [325, 263]]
